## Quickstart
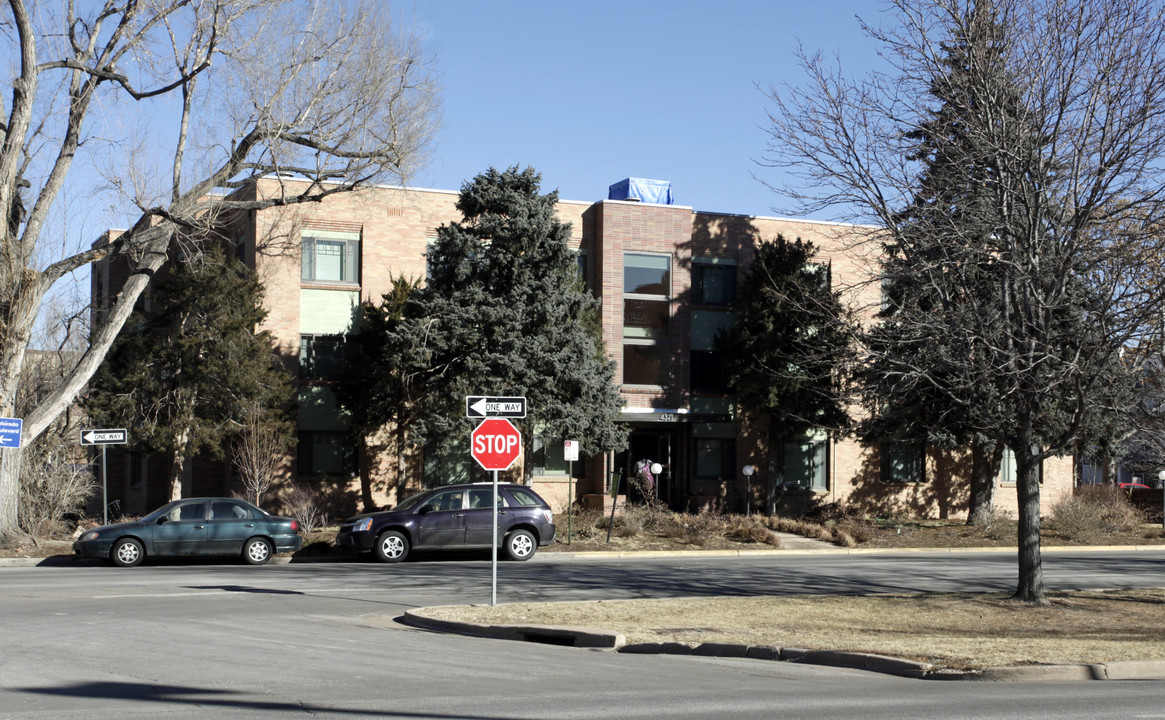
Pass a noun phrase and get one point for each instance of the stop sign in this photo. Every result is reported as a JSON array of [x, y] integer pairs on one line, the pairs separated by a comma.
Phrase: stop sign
[[495, 443]]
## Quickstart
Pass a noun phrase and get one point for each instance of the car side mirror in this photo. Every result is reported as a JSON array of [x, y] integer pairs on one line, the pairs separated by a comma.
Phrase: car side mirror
[[162, 520], [426, 509]]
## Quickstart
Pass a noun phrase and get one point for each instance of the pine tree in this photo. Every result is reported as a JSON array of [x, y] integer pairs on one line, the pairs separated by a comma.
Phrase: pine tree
[[786, 354], [185, 374], [991, 334], [505, 313]]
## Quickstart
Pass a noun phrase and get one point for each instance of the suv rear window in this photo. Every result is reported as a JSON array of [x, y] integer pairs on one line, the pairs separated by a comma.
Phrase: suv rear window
[[524, 497]]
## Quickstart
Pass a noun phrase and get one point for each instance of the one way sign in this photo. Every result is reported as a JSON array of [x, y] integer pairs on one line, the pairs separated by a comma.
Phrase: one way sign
[[104, 437], [483, 407]]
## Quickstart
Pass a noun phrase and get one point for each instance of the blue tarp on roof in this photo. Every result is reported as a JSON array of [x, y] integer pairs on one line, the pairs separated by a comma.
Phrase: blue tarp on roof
[[643, 190]]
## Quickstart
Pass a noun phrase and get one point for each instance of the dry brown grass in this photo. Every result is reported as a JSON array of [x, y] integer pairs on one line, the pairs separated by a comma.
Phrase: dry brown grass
[[957, 631]]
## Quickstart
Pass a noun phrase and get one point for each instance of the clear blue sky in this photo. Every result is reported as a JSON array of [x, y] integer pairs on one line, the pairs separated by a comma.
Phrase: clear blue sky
[[593, 92]]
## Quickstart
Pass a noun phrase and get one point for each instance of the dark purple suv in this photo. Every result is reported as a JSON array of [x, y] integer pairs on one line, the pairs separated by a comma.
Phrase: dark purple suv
[[454, 517]]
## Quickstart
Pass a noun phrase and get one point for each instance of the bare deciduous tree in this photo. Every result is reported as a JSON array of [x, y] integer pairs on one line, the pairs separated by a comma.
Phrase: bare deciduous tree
[[259, 451], [327, 93], [1034, 294]]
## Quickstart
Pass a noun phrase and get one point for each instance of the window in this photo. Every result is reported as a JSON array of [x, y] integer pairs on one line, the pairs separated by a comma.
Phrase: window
[[715, 457], [645, 363], [227, 510], [708, 374], [330, 257], [903, 462], [192, 511], [481, 499], [550, 458], [321, 357], [582, 265], [446, 466], [713, 281], [646, 319], [646, 274], [525, 498], [326, 452], [1007, 468], [448, 500], [806, 463]]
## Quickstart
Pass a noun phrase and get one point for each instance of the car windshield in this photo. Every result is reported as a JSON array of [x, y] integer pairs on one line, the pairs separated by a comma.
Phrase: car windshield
[[164, 510], [412, 500]]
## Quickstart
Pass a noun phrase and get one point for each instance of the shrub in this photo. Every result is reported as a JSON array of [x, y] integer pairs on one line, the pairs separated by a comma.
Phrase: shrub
[[304, 504], [1094, 511], [996, 523], [53, 486], [748, 529]]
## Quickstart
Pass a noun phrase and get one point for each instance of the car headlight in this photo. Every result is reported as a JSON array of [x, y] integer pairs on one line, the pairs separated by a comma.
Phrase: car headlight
[[90, 536], [363, 525]]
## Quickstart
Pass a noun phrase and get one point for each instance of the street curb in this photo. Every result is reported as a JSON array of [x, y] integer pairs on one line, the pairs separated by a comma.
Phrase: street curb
[[609, 554], [65, 560], [598, 639], [569, 636]]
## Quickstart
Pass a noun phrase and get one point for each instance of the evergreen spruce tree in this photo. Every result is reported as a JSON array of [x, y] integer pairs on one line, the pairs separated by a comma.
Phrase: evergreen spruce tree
[[941, 263], [786, 354], [185, 373], [505, 313]]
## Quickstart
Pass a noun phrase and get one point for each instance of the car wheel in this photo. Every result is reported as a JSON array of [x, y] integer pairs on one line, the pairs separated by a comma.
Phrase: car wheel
[[392, 546], [257, 551], [520, 545], [127, 552]]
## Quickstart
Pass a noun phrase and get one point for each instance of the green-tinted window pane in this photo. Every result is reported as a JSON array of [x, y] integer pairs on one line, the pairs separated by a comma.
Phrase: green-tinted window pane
[[715, 457], [903, 462], [645, 318], [645, 364], [805, 464], [714, 284], [646, 274]]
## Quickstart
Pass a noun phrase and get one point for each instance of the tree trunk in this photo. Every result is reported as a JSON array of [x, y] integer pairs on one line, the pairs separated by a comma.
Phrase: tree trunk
[[365, 465], [14, 342], [985, 460], [1031, 574], [9, 469], [178, 465], [775, 473]]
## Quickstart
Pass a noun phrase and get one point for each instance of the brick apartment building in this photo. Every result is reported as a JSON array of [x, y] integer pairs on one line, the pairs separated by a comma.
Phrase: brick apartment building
[[666, 276]]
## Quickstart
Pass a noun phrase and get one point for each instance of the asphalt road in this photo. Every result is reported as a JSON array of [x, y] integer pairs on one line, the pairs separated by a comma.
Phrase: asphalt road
[[318, 639]]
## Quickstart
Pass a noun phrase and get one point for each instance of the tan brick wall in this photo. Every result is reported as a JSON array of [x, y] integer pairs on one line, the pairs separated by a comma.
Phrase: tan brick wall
[[397, 224]]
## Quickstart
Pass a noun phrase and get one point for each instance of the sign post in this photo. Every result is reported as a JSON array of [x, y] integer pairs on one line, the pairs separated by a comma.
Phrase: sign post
[[104, 437], [570, 453], [495, 444]]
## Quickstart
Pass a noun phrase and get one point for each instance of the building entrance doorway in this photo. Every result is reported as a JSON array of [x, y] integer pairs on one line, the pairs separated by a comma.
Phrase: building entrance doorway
[[649, 446]]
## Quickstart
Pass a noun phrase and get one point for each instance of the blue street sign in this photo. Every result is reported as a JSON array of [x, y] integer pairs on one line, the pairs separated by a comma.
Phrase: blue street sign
[[10, 429]]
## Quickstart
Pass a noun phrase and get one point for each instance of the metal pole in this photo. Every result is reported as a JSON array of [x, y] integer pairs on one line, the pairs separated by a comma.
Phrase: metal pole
[[569, 497], [104, 491], [615, 478], [493, 595]]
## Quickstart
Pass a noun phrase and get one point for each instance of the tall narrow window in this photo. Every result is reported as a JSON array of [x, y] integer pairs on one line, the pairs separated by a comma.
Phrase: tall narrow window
[[806, 463], [903, 462], [330, 257], [713, 281], [646, 319]]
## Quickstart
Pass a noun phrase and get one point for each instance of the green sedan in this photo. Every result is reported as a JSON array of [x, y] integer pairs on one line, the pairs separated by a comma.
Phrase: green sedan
[[194, 527]]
